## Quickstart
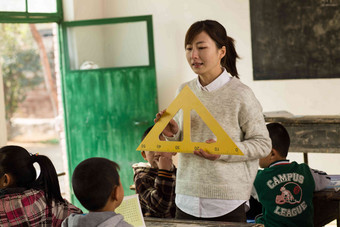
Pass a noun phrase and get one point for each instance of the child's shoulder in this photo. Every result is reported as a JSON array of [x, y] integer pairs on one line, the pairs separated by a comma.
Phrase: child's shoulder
[[20, 193], [292, 166], [141, 165], [143, 168], [300, 166]]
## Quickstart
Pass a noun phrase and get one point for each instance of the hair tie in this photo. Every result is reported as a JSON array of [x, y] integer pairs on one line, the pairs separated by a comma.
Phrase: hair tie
[[33, 156]]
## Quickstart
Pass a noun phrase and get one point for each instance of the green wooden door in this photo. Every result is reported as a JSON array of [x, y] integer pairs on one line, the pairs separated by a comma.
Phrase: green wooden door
[[108, 108]]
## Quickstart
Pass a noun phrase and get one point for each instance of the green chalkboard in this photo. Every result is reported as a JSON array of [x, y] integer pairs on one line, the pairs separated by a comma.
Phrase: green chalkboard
[[295, 39]]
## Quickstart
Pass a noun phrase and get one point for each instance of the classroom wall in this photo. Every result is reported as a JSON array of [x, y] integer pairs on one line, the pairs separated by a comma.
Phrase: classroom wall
[[171, 19]]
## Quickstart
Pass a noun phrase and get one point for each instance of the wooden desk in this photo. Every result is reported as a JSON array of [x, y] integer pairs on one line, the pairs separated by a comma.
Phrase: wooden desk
[[310, 134], [165, 222], [326, 207]]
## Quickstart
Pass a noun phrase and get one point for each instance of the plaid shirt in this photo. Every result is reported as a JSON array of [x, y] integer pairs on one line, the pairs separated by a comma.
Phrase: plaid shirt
[[156, 189], [29, 208]]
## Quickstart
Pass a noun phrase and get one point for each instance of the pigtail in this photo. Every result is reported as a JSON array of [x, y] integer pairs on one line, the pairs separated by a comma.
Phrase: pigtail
[[229, 60], [18, 162], [47, 180]]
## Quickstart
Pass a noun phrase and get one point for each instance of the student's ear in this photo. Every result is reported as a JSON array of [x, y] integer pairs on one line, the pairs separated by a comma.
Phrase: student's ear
[[275, 155], [143, 154], [6, 180], [273, 152], [114, 194]]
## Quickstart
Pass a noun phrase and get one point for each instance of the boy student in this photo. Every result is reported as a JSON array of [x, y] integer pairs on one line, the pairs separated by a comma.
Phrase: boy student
[[97, 186], [285, 188], [155, 183]]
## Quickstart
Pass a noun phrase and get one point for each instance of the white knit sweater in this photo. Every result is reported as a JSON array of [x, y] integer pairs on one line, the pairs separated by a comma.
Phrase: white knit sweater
[[239, 113]]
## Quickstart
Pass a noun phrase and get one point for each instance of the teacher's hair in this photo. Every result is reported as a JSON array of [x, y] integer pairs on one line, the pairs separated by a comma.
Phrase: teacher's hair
[[217, 32]]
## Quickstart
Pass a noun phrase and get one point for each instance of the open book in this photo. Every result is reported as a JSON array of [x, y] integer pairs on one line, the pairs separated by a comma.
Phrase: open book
[[335, 182], [131, 210]]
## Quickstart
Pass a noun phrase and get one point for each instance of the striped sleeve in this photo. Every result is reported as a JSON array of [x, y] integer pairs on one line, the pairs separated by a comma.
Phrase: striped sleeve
[[156, 193]]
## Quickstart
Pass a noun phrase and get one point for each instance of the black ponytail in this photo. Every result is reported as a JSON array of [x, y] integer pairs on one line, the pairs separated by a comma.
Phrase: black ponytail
[[229, 60], [47, 180], [18, 162]]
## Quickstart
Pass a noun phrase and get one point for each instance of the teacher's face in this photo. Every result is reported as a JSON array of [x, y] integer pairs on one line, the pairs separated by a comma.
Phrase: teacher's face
[[204, 57]]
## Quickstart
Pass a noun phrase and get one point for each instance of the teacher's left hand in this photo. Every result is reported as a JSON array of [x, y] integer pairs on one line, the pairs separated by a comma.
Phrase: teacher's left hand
[[205, 154]]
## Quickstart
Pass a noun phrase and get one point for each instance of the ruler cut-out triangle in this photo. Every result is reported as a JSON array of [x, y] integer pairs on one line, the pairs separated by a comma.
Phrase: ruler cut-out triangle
[[187, 101]]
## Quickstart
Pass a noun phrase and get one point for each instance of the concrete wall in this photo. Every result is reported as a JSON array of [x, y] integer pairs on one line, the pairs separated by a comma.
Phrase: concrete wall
[[171, 19]]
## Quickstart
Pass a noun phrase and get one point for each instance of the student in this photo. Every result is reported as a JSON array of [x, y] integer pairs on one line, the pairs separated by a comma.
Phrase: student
[[210, 186], [155, 183], [97, 186], [285, 188], [26, 200]]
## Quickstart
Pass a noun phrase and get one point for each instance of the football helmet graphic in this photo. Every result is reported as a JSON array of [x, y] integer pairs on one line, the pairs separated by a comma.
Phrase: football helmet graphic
[[290, 193]]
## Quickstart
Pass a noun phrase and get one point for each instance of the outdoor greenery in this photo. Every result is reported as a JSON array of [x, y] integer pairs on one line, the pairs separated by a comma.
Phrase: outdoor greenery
[[20, 64]]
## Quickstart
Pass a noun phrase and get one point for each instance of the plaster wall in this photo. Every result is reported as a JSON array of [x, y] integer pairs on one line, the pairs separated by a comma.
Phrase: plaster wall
[[171, 19]]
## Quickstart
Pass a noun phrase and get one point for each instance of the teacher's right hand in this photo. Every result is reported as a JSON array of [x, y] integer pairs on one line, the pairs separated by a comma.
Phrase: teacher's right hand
[[171, 129]]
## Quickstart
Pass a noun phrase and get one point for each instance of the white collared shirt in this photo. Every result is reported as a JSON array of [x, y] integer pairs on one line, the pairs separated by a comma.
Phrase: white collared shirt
[[217, 83], [205, 207]]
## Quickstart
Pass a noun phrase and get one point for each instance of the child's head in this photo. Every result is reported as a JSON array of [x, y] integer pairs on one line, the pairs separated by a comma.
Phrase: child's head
[[153, 156], [17, 170], [12, 159], [96, 184], [280, 144]]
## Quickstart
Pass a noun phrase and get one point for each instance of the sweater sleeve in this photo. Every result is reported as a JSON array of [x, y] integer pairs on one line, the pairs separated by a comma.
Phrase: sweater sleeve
[[321, 179], [256, 142]]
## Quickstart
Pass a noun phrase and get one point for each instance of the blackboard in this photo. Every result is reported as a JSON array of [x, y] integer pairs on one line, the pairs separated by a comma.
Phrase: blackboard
[[295, 39]]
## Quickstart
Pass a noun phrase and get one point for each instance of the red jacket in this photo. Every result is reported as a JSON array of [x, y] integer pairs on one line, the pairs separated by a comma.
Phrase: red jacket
[[29, 208]]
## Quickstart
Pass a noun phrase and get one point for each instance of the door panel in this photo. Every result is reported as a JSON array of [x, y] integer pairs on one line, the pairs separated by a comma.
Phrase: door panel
[[107, 111]]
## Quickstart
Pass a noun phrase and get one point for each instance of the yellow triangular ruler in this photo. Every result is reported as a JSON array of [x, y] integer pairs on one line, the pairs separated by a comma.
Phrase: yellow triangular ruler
[[187, 101]]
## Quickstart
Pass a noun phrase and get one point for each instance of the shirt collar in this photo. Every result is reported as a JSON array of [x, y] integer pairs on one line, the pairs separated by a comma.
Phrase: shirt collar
[[280, 162], [217, 83]]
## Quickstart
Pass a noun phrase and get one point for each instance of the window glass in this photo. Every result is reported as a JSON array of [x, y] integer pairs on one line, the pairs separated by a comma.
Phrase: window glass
[[106, 46], [42, 6], [13, 5]]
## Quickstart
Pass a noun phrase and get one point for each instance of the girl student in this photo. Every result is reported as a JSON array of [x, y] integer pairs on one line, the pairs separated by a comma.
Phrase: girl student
[[26, 200], [210, 186]]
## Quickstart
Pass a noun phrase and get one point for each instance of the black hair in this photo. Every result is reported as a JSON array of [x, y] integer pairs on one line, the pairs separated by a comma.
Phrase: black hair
[[93, 181], [146, 132], [217, 32], [18, 162], [280, 138]]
